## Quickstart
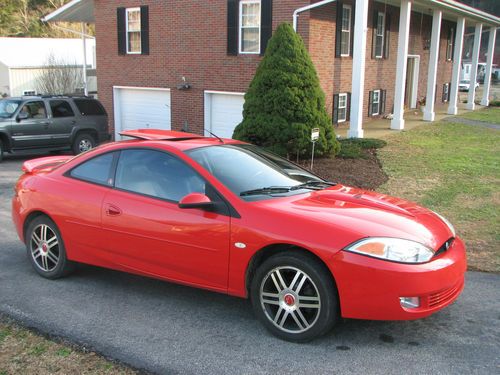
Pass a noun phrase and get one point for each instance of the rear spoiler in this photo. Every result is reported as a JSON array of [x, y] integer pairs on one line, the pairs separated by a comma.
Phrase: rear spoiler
[[45, 164]]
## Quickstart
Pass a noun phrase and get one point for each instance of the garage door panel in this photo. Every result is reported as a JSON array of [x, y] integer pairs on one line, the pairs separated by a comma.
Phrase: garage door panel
[[142, 108], [226, 112]]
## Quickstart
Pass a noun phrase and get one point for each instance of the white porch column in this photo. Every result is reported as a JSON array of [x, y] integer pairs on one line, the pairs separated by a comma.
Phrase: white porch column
[[489, 62], [358, 69], [429, 114], [398, 123], [475, 60], [457, 66]]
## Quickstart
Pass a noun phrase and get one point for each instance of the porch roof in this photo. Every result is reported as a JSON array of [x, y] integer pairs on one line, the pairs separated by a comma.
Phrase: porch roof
[[74, 11]]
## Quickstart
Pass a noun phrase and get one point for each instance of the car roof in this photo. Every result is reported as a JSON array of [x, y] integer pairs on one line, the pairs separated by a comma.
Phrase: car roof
[[174, 139]]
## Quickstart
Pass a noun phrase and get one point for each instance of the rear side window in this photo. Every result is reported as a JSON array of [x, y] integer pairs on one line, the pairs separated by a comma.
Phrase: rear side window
[[96, 170], [88, 107], [61, 108]]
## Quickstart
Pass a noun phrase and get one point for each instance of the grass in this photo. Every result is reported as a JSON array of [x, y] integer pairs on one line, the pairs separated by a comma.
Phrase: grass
[[488, 115], [24, 352], [453, 169]]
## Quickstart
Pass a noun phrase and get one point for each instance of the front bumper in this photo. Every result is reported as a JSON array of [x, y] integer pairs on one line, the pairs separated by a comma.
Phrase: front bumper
[[370, 288]]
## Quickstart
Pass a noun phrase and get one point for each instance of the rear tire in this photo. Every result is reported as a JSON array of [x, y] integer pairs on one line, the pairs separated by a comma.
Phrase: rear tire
[[83, 142], [46, 250], [295, 297], [1, 150]]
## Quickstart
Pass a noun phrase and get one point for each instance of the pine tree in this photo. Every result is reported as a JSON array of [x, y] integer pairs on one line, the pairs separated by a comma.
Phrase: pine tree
[[285, 101]]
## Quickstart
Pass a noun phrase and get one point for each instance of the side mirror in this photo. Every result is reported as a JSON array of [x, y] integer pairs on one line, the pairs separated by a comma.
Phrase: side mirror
[[196, 200], [22, 116]]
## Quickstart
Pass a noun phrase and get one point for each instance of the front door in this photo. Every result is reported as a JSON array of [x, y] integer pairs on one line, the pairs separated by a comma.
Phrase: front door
[[412, 73], [31, 126], [146, 231]]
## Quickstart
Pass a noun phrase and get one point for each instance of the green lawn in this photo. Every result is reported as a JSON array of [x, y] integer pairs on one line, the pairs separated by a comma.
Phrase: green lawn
[[453, 169], [488, 114]]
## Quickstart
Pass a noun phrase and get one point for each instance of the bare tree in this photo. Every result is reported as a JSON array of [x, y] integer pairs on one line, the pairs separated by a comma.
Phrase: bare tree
[[59, 77]]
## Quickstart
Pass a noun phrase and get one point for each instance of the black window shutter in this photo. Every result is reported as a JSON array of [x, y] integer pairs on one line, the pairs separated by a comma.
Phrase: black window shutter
[[266, 27], [449, 91], [370, 102], [387, 36], [145, 30], [353, 13], [348, 108], [121, 30], [232, 27], [338, 33], [336, 108], [374, 35], [382, 101], [435, 94]]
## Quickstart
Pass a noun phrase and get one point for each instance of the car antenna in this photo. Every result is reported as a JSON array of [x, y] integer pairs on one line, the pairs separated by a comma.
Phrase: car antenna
[[214, 135]]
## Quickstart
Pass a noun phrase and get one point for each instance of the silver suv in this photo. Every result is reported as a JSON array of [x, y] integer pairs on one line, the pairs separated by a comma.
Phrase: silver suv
[[52, 123]]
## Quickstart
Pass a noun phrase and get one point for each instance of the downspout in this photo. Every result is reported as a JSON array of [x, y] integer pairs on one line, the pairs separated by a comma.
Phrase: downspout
[[85, 83], [306, 8]]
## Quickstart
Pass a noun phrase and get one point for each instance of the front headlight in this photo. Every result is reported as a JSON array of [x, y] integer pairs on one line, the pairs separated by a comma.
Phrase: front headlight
[[450, 226], [393, 249]]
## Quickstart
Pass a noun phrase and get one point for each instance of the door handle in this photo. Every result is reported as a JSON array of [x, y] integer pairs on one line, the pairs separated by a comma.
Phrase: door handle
[[112, 210]]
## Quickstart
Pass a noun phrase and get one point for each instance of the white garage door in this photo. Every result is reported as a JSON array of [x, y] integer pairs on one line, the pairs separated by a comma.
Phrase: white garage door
[[137, 108], [223, 111]]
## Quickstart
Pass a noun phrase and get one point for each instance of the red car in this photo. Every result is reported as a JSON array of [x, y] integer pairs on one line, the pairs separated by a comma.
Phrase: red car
[[230, 217]]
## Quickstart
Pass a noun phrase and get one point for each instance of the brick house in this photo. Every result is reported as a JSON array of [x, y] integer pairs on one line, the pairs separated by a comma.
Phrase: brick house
[[187, 64]]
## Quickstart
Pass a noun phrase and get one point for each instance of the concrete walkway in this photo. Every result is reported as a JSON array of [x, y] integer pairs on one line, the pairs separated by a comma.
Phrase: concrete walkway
[[466, 121]]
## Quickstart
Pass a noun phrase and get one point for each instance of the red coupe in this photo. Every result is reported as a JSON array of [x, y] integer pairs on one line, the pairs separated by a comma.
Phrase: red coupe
[[233, 218]]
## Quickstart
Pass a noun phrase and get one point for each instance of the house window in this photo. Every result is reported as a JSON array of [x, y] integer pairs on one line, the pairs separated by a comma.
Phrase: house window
[[379, 35], [249, 27], [345, 37], [342, 108], [375, 102], [449, 44], [133, 25]]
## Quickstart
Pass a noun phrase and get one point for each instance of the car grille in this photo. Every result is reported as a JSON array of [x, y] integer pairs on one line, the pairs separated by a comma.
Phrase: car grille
[[445, 295], [444, 247]]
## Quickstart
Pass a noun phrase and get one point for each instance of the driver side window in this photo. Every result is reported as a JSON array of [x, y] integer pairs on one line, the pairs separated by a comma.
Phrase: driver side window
[[156, 174], [33, 110]]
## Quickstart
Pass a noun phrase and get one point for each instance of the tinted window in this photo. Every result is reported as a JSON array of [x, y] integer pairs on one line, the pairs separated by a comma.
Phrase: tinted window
[[61, 108], [96, 170], [156, 174], [89, 107], [34, 109], [244, 168]]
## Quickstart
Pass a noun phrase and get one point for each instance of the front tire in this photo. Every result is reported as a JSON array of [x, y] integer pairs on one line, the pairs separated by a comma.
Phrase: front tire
[[46, 250], [82, 143], [294, 296]]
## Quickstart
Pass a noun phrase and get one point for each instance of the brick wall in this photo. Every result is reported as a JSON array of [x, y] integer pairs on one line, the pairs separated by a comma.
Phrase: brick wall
[[188, 38]]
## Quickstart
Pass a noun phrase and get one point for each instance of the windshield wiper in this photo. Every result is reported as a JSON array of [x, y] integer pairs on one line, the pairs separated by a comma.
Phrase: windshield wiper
[[266, 190], [313, 184]]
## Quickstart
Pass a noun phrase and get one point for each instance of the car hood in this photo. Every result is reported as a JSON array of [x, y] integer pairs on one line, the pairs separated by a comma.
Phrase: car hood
[[359, 214]]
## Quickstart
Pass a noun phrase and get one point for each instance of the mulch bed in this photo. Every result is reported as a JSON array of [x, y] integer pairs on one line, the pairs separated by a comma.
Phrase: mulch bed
[[364, 173]]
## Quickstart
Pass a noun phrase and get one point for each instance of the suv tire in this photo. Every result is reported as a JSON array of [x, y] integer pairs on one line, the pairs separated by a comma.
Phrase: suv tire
[[1, 150], [83, 142]]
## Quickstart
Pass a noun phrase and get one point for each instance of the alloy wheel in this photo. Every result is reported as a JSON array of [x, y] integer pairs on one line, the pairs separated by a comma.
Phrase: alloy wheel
[[290, 299], [44, 246]]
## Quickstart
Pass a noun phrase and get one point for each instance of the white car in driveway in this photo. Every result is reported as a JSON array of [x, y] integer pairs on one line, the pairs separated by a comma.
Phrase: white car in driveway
[[464, 85]]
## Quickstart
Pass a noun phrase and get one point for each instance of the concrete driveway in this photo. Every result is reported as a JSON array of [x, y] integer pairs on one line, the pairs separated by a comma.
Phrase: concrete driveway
[[169, 329]]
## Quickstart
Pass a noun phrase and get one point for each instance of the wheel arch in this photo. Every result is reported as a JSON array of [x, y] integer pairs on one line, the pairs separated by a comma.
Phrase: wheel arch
[[91, 131], [268, 251], [29, 219]]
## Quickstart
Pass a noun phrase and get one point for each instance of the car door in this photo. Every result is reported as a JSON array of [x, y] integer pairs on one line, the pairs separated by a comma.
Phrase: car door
[[146, 231], [30, 128], [63, 119]]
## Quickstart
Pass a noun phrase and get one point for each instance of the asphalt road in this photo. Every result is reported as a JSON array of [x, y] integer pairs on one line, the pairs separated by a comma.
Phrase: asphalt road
[[169, 329]]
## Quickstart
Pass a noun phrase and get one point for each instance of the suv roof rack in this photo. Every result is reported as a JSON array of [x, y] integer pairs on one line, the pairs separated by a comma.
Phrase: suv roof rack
[[160, 135], [45, 96]]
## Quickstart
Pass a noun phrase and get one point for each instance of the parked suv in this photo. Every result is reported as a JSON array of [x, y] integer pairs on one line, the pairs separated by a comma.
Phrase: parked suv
[[52, 122]]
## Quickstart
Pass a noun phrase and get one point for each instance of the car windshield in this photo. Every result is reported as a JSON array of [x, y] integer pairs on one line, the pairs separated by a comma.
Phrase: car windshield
[[8, 107], [253, 173]]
